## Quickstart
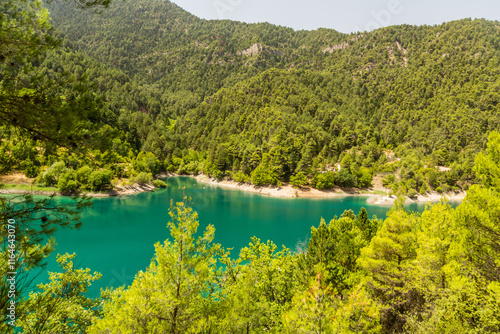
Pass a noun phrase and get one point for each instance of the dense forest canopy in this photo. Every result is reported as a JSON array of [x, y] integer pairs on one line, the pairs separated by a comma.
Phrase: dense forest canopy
[[97, 93], [231, 99]]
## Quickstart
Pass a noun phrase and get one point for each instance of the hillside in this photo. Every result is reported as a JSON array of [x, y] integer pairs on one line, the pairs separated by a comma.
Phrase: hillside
[[229, 99]]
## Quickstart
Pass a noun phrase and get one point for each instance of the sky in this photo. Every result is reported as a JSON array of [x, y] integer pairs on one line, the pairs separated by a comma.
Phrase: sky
[[342, 15]]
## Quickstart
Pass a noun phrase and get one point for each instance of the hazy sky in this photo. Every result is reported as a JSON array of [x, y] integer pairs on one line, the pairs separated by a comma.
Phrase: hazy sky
[[342, 15]]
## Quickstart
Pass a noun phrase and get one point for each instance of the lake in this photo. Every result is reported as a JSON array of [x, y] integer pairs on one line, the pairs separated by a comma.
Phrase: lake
[[118, 233]]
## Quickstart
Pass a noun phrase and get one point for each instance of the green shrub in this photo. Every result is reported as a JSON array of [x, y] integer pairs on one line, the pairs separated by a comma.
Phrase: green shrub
[[439, 190], [100, 180], [388, 180], [159, 184], [364, 178], [143, 178], [298, 180], [147, 162], [192, 167], [67, 182], [412, 193], [324, 180], [263, 176], [83, 175], [29, 169], [50, 176], [345, 179], [424, 189], [241, 177]]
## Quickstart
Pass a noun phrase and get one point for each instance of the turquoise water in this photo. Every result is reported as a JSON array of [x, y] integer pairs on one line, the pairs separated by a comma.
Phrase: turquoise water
[[118, 233]]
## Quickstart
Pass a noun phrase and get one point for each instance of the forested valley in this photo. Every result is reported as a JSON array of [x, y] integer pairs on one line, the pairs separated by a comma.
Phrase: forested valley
[[97, 94]]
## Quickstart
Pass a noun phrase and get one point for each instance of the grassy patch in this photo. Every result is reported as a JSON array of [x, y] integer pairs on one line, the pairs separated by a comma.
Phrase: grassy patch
[[29, 187]]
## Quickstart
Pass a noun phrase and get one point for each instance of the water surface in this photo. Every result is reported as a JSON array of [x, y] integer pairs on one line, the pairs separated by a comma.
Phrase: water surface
[[118, 233]]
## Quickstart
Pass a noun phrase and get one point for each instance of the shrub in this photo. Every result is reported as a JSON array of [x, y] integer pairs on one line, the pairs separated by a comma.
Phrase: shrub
[[345, 179], [412, 193], [100, 180], [424, 189], [324, 180], [192, 167], [143, 178], [439, 190], [364, 178], [29, 168], [83, 175], [262, 176], [298, 180], [147, 162], [67, 182], [50, 176], [241, 177], [159, 184]]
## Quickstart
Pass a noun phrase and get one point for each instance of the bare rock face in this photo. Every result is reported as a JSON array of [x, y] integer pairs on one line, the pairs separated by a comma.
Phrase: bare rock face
[[258, 48], [341, 46]]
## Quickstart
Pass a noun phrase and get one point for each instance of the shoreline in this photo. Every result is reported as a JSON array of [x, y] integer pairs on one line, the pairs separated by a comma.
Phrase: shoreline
[[375, 196], [129, 190], [287, 191]]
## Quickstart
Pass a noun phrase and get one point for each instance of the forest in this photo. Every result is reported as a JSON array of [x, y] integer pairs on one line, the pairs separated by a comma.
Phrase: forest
[[99, 93]]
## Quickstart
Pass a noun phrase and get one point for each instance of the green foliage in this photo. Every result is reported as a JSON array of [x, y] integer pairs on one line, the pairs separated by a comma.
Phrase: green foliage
[[143, 178], [345, 179], [263, 176], [324, 180], [100, 180], [298, 180], [147, 162], [388, 260], [61, 306], [336, 247], [175, 293], [67, 182], [159, 183], [241, 177], [51, 175]]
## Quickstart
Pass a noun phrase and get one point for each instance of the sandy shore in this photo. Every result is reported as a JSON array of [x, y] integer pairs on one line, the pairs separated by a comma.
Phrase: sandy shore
[[288, 191]]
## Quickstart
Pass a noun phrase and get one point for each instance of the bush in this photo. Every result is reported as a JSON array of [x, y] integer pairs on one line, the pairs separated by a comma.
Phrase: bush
[[83, 175], [67, 182], [324, 180], [143, 178], [100, 180], [159, 184], [345, 179], [298, 180], [262, 176], [29, 168], [364, 178], [424, 189], [241, 177], [50, 176], [439, 190], [147, 162], [192, 167], [412, 193]]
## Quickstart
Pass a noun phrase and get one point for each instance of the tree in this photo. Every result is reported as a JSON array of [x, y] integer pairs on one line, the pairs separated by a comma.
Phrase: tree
[[147, 162], [257, 288], [61, 306], [298, 180], [100, 180], [177, 291], [337, 246], [389, 261]]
